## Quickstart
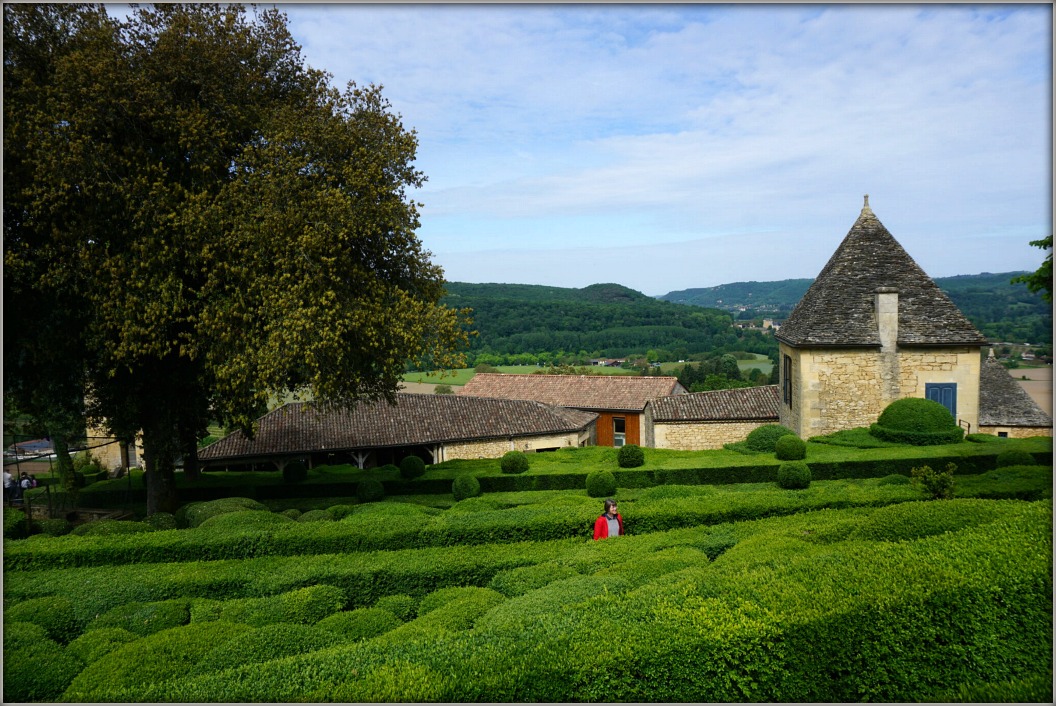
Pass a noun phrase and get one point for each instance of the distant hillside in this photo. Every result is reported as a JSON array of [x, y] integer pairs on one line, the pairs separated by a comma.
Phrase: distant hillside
[[1001, 310], [524, 323]]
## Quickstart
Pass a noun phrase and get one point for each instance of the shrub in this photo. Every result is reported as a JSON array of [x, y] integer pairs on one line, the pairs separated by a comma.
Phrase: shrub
[[763, 439], [265, 644], [790, 448], [39, 671], [918, 422], [369, 490], [194, 514], [340, 512], [145, 618], [937, 485], [514, 462], [1015, 457], [108, 527], [55, 527], [244, 519], [316, 516], [303, 605], [399, 604], [793, 475], [517, 582], [56, 614], [630, 456], [161, 520], [894, 479], [292, 513], [359, 624], [95, 644], [979, 438], [412, 467], [465, 486], [601, 484], [294, 472], [14, 524]]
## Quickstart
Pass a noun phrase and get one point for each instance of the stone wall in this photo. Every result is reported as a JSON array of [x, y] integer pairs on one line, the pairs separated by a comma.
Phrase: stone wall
[[1017, 432], [700, 436], [107, 450], [496, 448]]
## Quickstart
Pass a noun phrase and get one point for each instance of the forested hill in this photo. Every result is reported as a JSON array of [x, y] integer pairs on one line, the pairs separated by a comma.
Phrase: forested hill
[[534, 323], [1002, 311]]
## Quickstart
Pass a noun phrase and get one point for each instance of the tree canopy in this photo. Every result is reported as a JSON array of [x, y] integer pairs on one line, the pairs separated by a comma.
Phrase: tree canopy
[[1040, 281], [194, 219]]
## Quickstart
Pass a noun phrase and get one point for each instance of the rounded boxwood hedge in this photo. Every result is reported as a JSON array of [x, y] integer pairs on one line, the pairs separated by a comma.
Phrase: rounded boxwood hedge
[[56, 614], [369, 490], [161, 520], [514, 462], [145, 618], [465, 486], [917, 422], [412, 467], [317, 515], [294, 472], [763, 439], [399, 604], [93, 645], [630, 456], [359, 624], [1015, 457], [245, 519], [790, 448], [793, 475], [107, 527], [194, 514], [601, 484]]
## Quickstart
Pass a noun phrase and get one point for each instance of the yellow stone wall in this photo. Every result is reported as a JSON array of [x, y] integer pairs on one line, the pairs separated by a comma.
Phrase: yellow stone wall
[[495, 448], [1017, 432], [835, 389], [107, 450], [700, 436]]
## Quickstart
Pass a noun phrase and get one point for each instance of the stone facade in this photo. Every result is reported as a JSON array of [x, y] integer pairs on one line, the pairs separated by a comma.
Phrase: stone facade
[[843, 388], [1016, 432], [107, 450], [701, 436], [495, 448]]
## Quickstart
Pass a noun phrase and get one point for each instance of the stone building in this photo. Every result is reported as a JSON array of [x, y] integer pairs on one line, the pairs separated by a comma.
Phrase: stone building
[[1005, 408], [435, 428], [874, 328], [618, 400], [707, 420]]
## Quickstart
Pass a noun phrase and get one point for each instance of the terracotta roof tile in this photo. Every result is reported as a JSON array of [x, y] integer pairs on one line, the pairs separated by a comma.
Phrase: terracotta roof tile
[[601, 392], [413, 420], [755, 403], [838, 309], [1004, 402]]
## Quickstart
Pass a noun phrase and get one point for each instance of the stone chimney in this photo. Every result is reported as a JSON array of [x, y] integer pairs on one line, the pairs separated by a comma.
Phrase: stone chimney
[[886, 304]]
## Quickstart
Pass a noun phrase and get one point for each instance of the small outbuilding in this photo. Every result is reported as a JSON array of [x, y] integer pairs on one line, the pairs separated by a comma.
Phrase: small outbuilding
[[707, 420], [1005, 408]]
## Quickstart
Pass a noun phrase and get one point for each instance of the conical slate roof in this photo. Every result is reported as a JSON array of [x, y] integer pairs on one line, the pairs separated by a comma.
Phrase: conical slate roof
[[839, 308], [1004, 402]]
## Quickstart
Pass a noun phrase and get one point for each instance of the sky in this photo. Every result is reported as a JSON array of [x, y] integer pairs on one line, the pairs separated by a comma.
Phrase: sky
[[667, 147]]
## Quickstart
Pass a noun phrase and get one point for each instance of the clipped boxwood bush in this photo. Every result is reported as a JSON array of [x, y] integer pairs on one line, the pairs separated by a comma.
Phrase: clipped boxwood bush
[[917, 422], [306, 606], [894, 479], [763, 439], [359, 624], [369, 490], [56, 614], [245, 520], [514, 462], [145, 618], [93, 645], [265, 644], [790, 448], [465, 486], [294, 472], [793, 475], [399, 604], [161, 520], [38, 670], [601, 483], [1015, 457], [630, 456], [56, 527], [412, 467], [194, 514], [517, 582], [316, 516], [108, 527], [292, 513], [14, 524]]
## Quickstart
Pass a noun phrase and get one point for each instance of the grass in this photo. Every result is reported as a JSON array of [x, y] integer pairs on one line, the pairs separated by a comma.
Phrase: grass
[[461, 376]]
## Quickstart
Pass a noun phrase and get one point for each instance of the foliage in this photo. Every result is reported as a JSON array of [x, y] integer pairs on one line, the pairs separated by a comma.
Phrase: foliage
[[108, 527], [263, 644], [318, 515], [305, 606], [412, 467], [161, 520], [15, 524], [937, 485], [894, 479], [294, 472], [517, 582], [630, 456], [443, 389], [93, 645], [513, 462], [241, 520], [369, 490], [858, 438], [401, 605], [601, 483], [55, 527], [763, 439], [790, 448], [465, 486], [1040, 281], [194, 514], [1015, 457], [38, 670], [145, 618], [56, 614], [793, 475], [917, 421]]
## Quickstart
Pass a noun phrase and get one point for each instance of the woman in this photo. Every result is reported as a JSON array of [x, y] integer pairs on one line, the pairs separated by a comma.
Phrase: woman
[[610, 524]]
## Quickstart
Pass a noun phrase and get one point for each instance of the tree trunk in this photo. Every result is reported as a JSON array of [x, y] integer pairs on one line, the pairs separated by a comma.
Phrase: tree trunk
[[160, 448], [190, 462], [64, 467]]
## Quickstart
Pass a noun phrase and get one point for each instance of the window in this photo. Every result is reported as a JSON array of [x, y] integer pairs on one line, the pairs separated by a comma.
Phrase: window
[[786, 380], [945, 393], [619, 431], [1003, 434]]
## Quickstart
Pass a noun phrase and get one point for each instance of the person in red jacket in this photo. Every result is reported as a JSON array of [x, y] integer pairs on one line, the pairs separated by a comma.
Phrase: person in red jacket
[[610, 524]]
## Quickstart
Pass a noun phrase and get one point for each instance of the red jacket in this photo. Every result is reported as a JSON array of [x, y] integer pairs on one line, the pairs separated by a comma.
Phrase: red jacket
[[601, 526]]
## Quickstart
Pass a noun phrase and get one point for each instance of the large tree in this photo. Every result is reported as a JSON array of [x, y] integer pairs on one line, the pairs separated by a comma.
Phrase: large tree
[[1040, 281], [210, 221]]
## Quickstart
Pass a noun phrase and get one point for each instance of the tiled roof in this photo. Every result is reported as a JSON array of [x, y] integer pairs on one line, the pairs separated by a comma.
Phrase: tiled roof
[[1004, 402], [718, 405], [838, 309], [413, 420], [601, 392]]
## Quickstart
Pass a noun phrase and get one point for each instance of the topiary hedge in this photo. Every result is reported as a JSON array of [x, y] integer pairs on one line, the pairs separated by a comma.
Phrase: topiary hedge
[[763, 439], [412, 467], [917, 422], [264, 644], [108, 527], [601, 484], [465, 486], [513, 462], [401, 605], [790, 448], [56, 614], [793, 475], [303, 605], [294, 472], [369, 490], [194, 514], [1015, 457], [630, 456], [93, 645], [145, 618]]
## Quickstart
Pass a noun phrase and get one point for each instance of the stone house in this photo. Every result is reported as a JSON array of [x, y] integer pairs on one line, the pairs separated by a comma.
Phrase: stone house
[[618, 400], [707, 420], [1005, 408], [435, 428], [871, 329]]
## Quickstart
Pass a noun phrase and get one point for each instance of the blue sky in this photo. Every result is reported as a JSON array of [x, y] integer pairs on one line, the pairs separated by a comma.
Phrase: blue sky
[[669, 147]]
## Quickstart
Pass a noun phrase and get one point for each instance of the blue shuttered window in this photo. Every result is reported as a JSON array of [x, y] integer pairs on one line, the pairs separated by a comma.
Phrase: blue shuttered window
[[945, 393]]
